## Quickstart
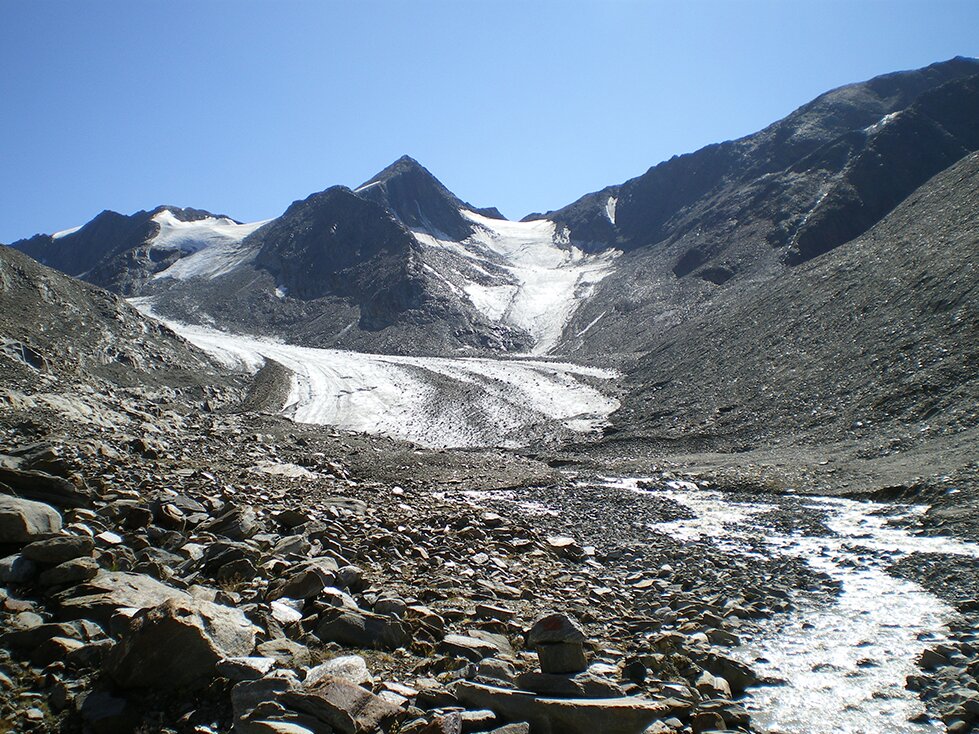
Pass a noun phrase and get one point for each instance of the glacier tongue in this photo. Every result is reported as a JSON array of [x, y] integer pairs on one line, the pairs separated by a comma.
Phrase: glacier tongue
[[521, 274], [432, 401]]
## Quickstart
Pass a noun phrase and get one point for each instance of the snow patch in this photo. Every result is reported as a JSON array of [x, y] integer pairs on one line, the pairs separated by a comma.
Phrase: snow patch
[[881, 123], [213, 245], [529, 277], [610, 208], [66, 232]]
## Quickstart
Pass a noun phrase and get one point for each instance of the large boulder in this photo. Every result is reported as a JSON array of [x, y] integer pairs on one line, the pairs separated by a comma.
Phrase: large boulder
[[23, 521], [346, 707], [43, 487], [361, 629], [559, 643], [178, 644], [100, 598], [59, 549]]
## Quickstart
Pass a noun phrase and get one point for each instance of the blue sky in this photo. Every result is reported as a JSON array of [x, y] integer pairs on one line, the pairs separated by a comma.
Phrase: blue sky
[[241, 107]]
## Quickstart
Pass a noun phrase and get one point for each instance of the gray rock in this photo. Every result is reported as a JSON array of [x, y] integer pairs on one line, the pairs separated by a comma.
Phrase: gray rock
[[247, 695], [17, 569], [361, 629], [42, 487], [70, 572], [494, 669], [23, 521], [306, 581], [469, 648], [562, 657], [521, 728], [559, 643], [244, 668], [59, 549], [30, 637], [178, 644], [553, 628], [269, 726], [108, 714], [288, 653], [626, 715], [565, 547], [238, 523], [349, 668], [583, 685], [390, 607], [346, 707], [99, 598]]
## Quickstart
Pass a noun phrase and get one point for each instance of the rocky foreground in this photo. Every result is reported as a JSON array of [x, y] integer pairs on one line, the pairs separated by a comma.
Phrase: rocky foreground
[[235, 572]]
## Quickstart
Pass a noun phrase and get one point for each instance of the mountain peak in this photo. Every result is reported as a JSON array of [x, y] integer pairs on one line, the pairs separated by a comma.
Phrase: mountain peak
[[404, 166], [418, 199]]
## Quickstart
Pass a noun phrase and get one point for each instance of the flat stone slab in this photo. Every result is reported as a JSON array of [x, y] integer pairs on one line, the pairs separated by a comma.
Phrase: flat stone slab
[[99, 598], [622, 715]]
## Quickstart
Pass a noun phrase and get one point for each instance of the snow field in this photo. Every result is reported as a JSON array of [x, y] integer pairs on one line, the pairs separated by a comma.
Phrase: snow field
[[432, 401]]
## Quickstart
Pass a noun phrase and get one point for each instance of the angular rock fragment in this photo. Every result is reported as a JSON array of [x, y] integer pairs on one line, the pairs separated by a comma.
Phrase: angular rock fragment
[[559, 643], [23, 521], [346, 707], [99, 598], [59, 549], [361, 629], [625, 715], [178, 644]]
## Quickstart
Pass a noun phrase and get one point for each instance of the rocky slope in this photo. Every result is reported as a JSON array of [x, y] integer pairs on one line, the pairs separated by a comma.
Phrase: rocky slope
[[878, 338], [731, 214], [55, 329]]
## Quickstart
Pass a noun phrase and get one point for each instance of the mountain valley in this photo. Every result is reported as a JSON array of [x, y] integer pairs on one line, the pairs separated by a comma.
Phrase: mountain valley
[[392, 462]]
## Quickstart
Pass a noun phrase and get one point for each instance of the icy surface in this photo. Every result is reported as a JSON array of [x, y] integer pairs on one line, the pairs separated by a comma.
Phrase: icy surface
[[610, 208], [845, 664], [521, 274], [436, 402], [66, 232], [213, 245]]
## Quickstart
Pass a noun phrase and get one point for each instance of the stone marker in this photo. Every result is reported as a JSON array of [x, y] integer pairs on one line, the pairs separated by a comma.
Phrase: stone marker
[[559, 643]]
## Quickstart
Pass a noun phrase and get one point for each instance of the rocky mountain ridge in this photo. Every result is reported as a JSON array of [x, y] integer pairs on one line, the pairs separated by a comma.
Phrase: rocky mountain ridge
[[397, 264]]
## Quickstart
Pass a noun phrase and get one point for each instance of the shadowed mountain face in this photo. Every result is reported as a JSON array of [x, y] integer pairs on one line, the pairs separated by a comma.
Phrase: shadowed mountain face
[[787, 168]]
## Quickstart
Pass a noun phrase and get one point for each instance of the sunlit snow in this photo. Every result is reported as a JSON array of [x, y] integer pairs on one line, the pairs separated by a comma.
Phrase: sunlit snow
[[438, 402], [213, 244], [522, 274], [66, 232], [610, 208]]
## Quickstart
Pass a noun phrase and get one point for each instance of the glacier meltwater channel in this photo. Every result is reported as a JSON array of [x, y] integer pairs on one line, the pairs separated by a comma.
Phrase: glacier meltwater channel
[[843, 665]]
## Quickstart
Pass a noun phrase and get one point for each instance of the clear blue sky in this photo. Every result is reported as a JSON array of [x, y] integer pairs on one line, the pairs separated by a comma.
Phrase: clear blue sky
[[240, 106]]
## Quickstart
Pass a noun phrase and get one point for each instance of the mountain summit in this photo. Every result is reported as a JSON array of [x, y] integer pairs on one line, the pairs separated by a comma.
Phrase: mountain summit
[[418, 199]]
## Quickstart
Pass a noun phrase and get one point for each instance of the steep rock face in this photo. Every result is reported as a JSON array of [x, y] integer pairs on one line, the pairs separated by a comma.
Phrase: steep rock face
[[727, 216], [691, 190], [337, 244]]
